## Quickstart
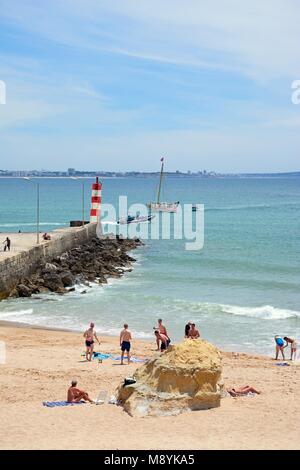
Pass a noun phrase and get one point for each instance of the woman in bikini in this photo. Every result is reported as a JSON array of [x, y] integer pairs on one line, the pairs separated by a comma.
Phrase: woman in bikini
[[293, 344], [89, 336]]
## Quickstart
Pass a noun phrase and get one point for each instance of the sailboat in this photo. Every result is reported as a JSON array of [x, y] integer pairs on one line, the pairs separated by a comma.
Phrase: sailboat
[[159, 206]]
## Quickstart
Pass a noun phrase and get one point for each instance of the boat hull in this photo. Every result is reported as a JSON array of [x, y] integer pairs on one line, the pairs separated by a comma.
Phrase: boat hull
[[163, 206]]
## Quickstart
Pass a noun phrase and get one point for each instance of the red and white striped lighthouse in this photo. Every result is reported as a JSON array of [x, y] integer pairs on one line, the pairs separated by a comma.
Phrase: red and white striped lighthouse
[[95, 202]]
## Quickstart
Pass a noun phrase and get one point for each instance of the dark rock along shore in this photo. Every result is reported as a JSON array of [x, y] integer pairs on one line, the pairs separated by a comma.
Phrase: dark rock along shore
[[96, 260]]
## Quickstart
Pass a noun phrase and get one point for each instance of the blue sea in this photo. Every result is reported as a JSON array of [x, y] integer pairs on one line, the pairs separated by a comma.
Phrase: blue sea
[[241, 289]]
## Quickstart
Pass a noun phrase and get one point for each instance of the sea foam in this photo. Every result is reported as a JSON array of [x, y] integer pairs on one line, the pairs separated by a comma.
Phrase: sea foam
[[265, 312]]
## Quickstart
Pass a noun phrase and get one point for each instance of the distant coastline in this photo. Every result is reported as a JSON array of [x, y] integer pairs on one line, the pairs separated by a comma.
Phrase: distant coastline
[[137, 174]]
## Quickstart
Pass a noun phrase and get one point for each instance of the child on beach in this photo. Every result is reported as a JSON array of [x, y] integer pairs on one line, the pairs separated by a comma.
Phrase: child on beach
[[89, 336], [125, 339], [293, 344]]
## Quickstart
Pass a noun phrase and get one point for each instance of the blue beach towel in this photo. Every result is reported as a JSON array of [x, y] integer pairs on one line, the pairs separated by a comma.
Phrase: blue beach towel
[[282, 364], [53, 404], [101, 356]]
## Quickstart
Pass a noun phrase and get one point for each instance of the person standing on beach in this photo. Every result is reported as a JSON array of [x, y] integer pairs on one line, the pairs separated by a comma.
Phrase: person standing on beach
[[125, 343], [162, 329], [7, 243], [193, 332], [279, 346], [293, 344], [89, 336]]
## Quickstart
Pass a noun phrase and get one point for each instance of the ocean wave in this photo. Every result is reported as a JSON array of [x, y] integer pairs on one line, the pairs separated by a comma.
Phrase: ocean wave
[[196, 308], [16, 313], [265, 312], [250, 206]]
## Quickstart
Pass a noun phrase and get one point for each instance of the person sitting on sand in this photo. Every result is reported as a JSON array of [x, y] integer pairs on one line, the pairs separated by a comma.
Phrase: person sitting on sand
[[89, 336], [162, 329], [279, 346], [125, 339], [187, 329], [293, 344], [46, 236], [193, 332], [241, 391], [75, 395], [165, 340]]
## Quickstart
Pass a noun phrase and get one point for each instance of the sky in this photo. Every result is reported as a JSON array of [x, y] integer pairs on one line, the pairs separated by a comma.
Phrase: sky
[[115, 85]]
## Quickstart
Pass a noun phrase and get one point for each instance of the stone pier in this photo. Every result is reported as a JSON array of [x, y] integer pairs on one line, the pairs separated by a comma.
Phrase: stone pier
[[26, 255]]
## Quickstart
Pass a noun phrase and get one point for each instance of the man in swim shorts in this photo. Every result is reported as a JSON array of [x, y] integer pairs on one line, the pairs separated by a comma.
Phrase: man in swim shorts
[[125, 339], [75, 395], [293, 344], [279, 346], [89, 336]]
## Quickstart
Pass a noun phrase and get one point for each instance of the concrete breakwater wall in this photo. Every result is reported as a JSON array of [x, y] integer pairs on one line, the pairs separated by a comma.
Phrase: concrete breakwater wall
[[20, 265]]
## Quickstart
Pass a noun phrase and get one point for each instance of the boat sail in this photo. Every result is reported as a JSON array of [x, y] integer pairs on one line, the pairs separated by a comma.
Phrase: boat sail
[[159, 206]]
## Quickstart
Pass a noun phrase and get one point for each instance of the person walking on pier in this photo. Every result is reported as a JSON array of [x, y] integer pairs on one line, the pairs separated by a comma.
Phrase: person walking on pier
[[7, 243]]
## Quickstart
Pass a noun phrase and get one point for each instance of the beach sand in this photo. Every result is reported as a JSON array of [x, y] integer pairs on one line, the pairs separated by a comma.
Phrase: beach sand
[[41, 363]]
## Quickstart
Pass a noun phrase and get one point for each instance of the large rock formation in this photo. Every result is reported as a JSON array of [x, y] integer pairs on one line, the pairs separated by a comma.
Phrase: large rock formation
[[186, 377]]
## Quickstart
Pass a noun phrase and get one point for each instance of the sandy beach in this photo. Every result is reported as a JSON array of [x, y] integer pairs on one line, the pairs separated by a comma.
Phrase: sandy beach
[[41, 363]]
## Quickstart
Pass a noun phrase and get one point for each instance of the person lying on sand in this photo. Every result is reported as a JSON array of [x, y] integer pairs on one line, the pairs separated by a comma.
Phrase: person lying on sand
[[241, 391], [75, 395], [89, 336], [279, 346], [193, 332], [125, 339], [293, 344], [165, 340]]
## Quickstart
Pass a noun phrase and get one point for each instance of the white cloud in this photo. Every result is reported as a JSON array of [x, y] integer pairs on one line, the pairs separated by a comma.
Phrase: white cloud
[[259, 38]]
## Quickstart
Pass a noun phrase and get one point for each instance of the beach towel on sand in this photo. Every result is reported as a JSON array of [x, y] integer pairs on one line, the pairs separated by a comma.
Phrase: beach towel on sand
[[132, 359], [53, 404], [282, 364], [97, 355]]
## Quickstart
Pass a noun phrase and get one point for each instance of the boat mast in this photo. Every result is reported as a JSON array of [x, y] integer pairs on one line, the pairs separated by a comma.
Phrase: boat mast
[[160, 179]]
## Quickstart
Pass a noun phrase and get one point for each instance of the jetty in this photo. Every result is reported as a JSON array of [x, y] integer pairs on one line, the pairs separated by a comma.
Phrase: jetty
[[26, 256]]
